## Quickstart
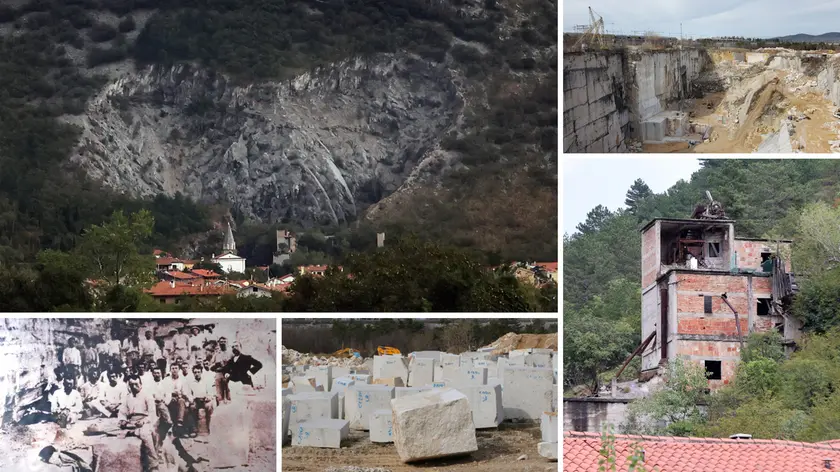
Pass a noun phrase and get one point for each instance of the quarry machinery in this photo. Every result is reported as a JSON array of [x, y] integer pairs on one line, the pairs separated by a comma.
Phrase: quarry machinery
[[387, 351], [594, 33], [710, 211], [346, 352]]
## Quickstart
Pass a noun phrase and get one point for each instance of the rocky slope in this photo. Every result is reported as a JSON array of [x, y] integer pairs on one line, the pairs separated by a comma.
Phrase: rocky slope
[[319, 148]]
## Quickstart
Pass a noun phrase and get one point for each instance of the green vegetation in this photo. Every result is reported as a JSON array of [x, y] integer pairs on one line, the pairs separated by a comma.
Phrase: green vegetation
[[772, 395]]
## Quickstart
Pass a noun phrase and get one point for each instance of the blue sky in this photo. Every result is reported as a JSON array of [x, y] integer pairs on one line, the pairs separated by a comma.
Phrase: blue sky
[[592, 181], [759, 18]]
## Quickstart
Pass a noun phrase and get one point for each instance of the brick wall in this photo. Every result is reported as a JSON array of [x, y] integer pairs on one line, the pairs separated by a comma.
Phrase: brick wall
[[711, 283], [749, 253], [693, 303], [728, 353]]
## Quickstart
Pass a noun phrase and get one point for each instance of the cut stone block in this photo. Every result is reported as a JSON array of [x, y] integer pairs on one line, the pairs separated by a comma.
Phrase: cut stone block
[[432, 424], [340, 386], [548, 450], [473, 356], [306, 384], [500, 368], [390, 381], [340, 372], [400, 392], [381, 426], [323, 375], [440, 384], [287, 410], [549, 427], [286, 391], [449, 367], [385, 367], [361, 400], [263, 412], [435, 355], [542, 361], [421, 372], [554, 395], [361, 378], [486, 404], [492, 367], [471, 375], [230, 450], [312, 405], [321, 433], [527, 392]]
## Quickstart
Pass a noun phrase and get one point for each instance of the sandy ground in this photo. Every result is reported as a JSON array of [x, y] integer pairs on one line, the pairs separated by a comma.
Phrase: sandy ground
[[498, 451]]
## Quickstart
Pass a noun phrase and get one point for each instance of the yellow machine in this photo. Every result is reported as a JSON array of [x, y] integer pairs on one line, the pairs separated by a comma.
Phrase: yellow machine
[[346, 352], [387, 351]]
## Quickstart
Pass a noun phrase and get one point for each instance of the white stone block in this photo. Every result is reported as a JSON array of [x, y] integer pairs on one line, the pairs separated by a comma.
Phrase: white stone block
[[312, 405], [554, 395], [548, 450], [305, 384], [286, 391], [361, 378], [360, 400], [390, 366], [340, 372], [382, 426], [441, 384], [542, 361], [321, 433], [486, 404], [427, 355], [421, 371], [287, 409], [432, 424], [500, 369], [450, 366], [492, 367], [549, 428], [527, 392], [340, 386], [473, 356], [323, 375], [472, 375], [400, 392]]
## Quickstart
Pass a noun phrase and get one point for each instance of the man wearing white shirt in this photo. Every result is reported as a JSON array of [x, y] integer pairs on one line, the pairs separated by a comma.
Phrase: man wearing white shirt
[[72, 359], [200, 396], [112, 394], [149, 350], [161, 393], [180, 346], [66, 404], [197, 341], [138, 414], [174, 383], [90, 392]]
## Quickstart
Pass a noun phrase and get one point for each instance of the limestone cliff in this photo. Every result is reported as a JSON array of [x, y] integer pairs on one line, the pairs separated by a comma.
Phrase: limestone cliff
[[319, 148]]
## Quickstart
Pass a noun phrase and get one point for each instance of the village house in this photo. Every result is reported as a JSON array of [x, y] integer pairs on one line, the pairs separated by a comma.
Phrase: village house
[[172, 292], [698, 278]]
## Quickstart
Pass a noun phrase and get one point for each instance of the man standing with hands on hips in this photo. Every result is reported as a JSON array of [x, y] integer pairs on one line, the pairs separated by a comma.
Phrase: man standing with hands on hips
[[239, 369]]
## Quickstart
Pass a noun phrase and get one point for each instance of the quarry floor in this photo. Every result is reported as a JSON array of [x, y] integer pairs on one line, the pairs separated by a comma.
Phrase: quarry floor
[[815, 133], [498, 451]]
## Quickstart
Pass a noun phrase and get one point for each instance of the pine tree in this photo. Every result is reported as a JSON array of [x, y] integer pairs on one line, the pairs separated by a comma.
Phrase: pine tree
[[638, 191]]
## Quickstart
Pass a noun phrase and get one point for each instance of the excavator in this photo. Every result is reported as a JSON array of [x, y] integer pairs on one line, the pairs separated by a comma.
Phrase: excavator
[[346, 352], [387, 351]]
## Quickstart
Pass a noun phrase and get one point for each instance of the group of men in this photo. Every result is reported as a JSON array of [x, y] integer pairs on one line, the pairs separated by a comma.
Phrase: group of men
[[135, 386]]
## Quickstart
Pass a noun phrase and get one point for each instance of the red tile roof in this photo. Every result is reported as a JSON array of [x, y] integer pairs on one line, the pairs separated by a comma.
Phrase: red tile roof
[[207, 274], [157, 252], [549, 266], [176, 274], [165, 289], [581, 452]]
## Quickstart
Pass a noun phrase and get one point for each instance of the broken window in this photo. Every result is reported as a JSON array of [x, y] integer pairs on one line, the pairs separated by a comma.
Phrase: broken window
[[714, 250], [714, 370], [707, 304], [763, 307]]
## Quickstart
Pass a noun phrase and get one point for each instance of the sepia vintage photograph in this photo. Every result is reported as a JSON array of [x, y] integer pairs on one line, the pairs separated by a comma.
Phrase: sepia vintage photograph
[[138, 395]]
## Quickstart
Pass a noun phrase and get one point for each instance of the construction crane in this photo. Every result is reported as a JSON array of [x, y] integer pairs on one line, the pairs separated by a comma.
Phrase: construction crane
[[595, 32]]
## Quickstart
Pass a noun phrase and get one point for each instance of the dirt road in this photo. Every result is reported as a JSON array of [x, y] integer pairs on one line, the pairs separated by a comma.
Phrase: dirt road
[[498, 451]]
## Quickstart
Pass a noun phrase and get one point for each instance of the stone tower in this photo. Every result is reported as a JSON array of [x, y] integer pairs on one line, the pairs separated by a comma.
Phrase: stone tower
[[229, 246]]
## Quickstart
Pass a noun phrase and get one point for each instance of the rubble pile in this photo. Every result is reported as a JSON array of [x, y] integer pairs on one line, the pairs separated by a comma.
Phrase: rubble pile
[[292, 357], [513, 341]]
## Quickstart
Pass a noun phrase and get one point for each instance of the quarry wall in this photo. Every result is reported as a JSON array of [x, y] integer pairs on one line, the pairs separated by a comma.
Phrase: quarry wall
[[606, 95]]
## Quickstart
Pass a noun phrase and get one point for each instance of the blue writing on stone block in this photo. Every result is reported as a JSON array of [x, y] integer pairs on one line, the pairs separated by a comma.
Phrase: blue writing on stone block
[[294, 407]]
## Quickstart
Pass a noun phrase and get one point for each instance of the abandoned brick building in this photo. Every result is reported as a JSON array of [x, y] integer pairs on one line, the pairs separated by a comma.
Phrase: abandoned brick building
[[692, 271]]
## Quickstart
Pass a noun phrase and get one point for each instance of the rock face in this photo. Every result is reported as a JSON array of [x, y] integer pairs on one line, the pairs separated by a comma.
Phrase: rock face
[[318, 148], [432, 424]]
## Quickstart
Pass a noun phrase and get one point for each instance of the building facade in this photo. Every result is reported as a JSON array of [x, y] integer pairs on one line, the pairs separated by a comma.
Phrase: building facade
[[692, 271]]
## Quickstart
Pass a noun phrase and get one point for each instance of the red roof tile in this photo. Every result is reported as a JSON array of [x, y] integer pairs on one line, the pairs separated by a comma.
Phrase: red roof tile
[[157, 252], [165, 289], [176, 274], [167, 260], [581, 452], [207, 274], [549, 266]]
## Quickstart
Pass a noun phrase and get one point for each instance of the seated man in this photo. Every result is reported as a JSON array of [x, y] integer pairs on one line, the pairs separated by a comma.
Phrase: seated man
[[239, 370], [200, 395], [112, 394], [174, 384], [138, 414], [89, 391], [66, 404]]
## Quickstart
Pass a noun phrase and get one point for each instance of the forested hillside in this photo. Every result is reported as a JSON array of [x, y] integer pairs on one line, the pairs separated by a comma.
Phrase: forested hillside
[[55, 55], [793, 198]]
